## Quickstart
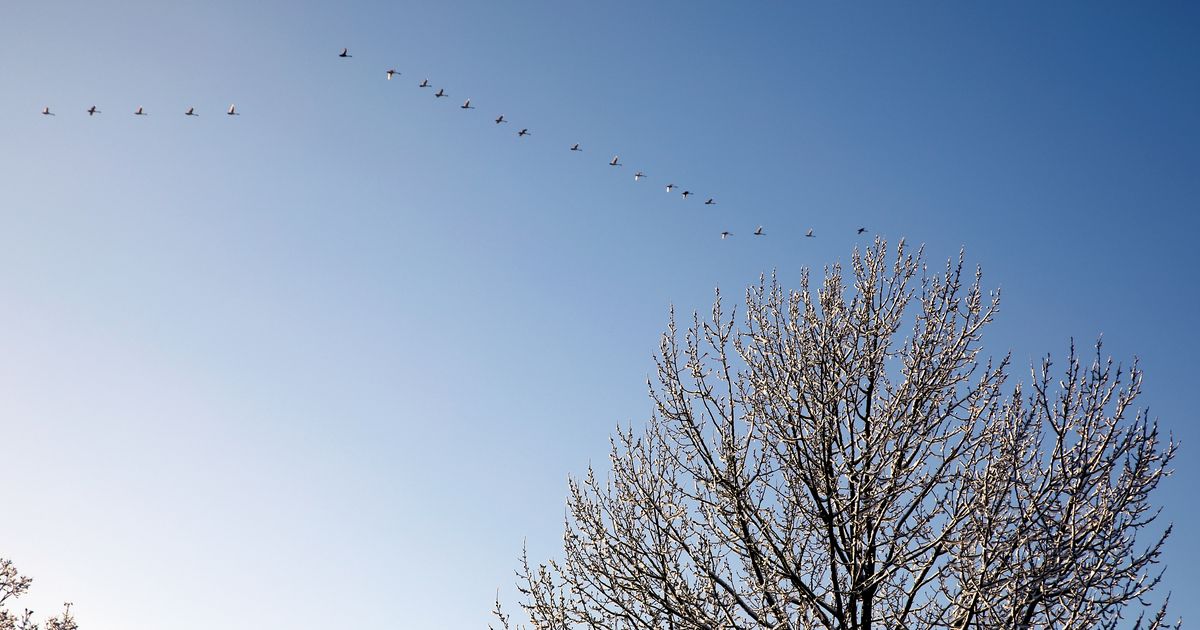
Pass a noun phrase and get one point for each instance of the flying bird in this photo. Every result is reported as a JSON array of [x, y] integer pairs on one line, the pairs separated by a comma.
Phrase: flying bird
[[232, 111], [523, 132], [500, 119], [809, 233], [710, 202], [92, 111], [614, 161], [391, 73], [139, 112], [670, 186], [861, 230], [575, 147], [440, 93], [638, 175], [345, 53], [424, 83], [466, 105], [46, 111], [191, 112], [759, 232], [725, 235], [686, 193]]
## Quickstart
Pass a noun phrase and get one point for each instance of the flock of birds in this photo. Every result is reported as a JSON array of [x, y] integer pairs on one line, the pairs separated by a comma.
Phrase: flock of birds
[[500, 120], [191, 111]]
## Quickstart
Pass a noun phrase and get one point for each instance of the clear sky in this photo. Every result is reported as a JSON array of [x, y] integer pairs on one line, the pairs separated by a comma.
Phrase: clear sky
[[329, 363]]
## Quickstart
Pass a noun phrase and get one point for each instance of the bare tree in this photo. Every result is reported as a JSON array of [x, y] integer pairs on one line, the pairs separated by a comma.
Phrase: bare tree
[[816, 468], [14, 585]]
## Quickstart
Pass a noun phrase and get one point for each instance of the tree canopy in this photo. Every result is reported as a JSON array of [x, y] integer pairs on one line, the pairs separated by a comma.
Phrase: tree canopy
[[14, 585], [844, 458]]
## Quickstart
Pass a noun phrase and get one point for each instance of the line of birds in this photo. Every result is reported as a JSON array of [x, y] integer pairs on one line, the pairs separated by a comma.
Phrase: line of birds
[[191, 111], [616, 160], [523, 132]]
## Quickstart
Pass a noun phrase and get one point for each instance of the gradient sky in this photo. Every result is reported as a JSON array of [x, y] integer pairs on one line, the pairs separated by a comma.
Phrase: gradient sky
[[329, 363]]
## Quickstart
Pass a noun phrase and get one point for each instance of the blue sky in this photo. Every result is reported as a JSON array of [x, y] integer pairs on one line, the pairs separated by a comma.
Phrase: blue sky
[[329, 363]]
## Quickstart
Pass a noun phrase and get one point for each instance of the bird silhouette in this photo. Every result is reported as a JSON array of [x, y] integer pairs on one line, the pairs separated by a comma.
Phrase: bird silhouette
[[710, 202], [191, 111], [46, 111], [670, 187], [861, 230], [638, 175], [725, 235], [391, 73], [466, 105], [615, 161], [139, 112], [809, 233], [759, 232], [575, 147], [424, 83], [686, 193], [500, 119], [523, 132], [92, 111], [440, 93], [345, 54], [232, 111]]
